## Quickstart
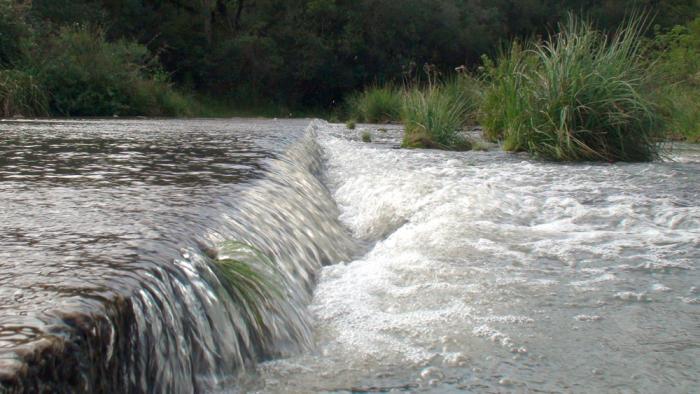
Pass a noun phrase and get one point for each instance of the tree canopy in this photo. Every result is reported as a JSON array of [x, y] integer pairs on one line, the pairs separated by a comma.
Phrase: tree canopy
[[311, 52]]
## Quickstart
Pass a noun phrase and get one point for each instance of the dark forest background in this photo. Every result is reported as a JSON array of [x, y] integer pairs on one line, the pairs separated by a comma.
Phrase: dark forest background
[[293, 53]]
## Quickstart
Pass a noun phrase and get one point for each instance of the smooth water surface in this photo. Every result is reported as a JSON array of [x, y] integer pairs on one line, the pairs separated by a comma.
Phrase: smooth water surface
[[106, 243]]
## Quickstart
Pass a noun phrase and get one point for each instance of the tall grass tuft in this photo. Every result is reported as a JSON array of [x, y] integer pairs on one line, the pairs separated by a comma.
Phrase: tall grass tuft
[[503, 107], [434, 118], [581, 95], [21, 94], [376, 105], [468, 89], [258, 289]]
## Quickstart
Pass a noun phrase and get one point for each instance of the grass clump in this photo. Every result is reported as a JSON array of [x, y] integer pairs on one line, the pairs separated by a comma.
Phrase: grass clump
[[581, 95], [257, 287], [366, 136], [467, 89], [21, 95], [376, 105], [503, 107], [434, 118], [351, 125]]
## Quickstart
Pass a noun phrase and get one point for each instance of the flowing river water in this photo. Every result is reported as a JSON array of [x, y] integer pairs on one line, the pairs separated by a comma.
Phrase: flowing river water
[[404, 270]]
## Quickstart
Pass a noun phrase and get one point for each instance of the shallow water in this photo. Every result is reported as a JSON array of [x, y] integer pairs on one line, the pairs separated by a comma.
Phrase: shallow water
[[404, 270], [490, 272]]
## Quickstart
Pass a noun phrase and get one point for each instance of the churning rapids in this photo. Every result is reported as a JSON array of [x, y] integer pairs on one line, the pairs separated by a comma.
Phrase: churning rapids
[[404, 270]]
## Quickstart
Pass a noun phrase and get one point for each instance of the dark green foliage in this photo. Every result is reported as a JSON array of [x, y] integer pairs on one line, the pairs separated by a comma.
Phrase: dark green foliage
[[21, 94], [300, 54], [311, 53], [87, 76], [14, 31], [581, 95], [677, 54], [682, 105]]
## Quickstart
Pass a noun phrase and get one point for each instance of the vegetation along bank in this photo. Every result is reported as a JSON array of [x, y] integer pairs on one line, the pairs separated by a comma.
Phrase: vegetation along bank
[[603, 85]]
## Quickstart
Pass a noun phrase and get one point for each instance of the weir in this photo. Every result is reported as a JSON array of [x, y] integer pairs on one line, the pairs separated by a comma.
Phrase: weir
[[109, 284], [396, 269]]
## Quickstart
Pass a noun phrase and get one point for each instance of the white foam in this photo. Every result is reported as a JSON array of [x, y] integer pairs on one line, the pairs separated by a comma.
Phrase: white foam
[[478, 255]]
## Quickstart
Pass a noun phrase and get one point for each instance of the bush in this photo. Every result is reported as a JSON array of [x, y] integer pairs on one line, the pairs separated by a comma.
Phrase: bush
[[678, 63], [21, 94], [156, 97], [434, 117], [682, 106], [678, 53], [87, 76], [376, 105], [578, 96], [14, 30]]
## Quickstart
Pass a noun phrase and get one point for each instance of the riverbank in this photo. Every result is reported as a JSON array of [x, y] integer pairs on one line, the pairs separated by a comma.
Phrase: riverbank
[[580, 94]]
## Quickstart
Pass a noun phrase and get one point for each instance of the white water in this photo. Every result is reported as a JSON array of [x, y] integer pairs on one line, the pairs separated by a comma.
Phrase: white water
[[491, 272]]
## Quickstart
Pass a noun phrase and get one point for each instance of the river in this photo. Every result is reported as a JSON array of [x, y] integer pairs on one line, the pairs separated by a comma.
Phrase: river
[[405, 270]]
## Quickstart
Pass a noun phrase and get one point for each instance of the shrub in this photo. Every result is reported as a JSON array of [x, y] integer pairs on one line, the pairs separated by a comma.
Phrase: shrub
[[87, 76], [21, 94], [682, 105], [678, 63], [678, 53], [433, 118], [155, 97], [376, 105], [581, 95], [14, 30]]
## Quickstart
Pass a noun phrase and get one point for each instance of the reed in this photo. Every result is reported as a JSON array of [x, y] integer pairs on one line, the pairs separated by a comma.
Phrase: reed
[[578, 96], [376, 104], [434, 118]]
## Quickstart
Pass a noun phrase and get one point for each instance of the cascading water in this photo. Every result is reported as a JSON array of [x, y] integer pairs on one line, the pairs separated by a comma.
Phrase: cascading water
[[399, 270], [109, 233]]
